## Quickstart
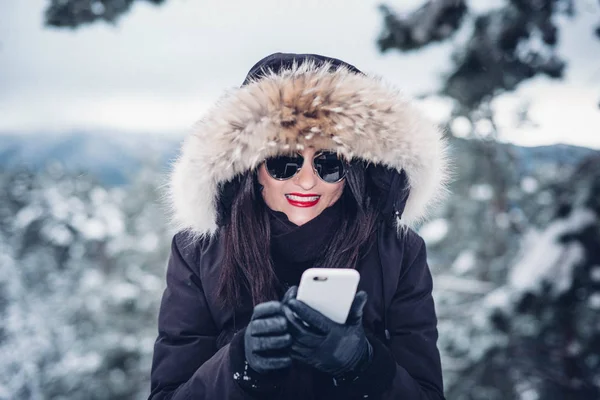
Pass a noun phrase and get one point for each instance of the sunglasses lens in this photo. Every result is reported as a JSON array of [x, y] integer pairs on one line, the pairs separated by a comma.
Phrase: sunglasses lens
[[329, 167], [283, 167]]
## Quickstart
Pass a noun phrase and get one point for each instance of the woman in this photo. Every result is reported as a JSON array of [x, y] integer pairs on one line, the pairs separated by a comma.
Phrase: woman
[[310, 163]]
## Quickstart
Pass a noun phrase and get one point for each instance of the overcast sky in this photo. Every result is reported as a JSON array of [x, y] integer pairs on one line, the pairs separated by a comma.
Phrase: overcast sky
[[160, 68]]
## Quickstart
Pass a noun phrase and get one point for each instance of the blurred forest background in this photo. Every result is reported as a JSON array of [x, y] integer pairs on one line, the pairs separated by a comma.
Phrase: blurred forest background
[[515, 251]]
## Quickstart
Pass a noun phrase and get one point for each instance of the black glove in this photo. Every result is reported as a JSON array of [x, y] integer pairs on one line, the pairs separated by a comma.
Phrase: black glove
[[336, 349], [267, 341]]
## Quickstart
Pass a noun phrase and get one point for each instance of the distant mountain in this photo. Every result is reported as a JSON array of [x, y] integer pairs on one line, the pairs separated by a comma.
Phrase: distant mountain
[[558, 154], [112, 158], [115, 158]]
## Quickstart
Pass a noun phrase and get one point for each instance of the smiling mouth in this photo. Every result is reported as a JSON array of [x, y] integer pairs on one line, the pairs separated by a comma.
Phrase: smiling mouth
[[302, 200]]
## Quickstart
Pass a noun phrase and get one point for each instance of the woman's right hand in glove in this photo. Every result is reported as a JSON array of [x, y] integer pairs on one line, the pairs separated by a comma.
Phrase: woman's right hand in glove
[[267, 341]]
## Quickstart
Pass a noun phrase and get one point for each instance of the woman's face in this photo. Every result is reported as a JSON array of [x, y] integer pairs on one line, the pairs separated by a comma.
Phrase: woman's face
[[302, 197]]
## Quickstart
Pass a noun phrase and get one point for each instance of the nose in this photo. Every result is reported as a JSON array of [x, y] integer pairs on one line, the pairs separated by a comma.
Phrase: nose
[[306, 178]]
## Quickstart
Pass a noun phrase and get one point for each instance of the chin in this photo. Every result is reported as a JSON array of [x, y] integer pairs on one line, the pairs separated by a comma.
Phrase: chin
[[301, 220]]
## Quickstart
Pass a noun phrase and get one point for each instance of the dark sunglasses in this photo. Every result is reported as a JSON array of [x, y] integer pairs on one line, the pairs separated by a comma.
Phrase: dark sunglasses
[[326, 164]]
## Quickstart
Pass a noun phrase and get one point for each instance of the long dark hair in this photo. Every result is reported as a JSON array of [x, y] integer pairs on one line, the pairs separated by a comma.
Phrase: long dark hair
[[247, 264]]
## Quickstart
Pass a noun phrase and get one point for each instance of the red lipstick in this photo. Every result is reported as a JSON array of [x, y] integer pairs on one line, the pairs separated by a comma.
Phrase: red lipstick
[[302, 200]]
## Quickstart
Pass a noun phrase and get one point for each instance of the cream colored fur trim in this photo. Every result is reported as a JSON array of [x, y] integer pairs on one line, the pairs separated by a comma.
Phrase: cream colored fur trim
[[307, 105]]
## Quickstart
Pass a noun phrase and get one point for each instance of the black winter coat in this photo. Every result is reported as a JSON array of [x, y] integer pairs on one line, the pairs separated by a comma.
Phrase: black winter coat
[[289, 102], [192, 355]]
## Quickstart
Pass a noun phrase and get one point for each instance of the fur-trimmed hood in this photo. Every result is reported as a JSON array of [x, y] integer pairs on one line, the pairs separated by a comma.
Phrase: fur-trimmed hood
[[312, 101]]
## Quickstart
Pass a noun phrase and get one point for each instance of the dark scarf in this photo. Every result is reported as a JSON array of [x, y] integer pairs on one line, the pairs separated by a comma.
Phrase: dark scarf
[[294, 249], [297, 248]]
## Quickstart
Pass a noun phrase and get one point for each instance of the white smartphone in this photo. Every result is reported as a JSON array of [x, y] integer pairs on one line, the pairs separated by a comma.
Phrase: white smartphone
[[329, 291]]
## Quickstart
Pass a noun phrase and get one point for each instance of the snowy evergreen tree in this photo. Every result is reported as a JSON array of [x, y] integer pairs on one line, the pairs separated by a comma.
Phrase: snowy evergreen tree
[[82, 273], [503, 211], [537, 335], [74, 13], [486, 238], [506, 45]]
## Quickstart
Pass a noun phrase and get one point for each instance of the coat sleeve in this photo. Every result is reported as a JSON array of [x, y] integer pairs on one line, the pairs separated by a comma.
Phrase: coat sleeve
[[408, 366], [413, 331], [186, 363]]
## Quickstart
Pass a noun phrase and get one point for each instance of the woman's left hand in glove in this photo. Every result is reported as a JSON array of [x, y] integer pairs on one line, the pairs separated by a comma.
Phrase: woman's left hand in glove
[[328, 346]]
